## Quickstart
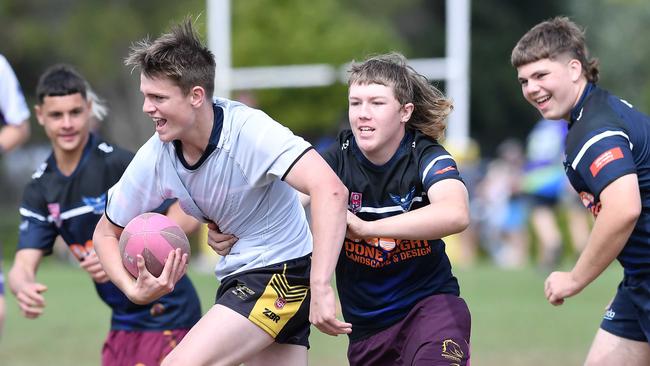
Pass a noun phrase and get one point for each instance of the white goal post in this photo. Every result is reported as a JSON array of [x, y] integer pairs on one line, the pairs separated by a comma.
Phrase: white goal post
[[453, 68]]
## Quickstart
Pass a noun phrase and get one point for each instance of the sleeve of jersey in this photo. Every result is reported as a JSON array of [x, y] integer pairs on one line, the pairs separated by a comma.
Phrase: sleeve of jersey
[[137, 190], [331, 155], [266, 150], [36, 231], [12, 102], [436, 165], [602, 160]]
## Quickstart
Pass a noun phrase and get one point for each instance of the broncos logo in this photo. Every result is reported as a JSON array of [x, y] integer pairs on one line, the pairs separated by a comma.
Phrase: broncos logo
[[406, 201], [97, 203]]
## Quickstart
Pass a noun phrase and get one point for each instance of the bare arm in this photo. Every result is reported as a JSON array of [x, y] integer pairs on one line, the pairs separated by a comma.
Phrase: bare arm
[[22, 282], [146, 287], [12, 136], [621, 207], [188, 223], [447, 213], [312, 176]]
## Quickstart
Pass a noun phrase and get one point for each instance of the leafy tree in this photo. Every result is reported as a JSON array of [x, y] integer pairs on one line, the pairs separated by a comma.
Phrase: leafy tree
[[274, 32], [615, 34]]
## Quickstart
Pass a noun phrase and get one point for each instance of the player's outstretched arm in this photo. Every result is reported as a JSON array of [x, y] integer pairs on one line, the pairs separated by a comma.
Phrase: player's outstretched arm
[[312, 176], [91, 264], [447, 213], [621, 207], [22, 282], [146, 288]]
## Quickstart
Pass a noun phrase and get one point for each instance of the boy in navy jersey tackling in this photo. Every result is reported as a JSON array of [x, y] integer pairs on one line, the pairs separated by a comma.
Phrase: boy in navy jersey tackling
[[607, 156], [393, 276], [66, 197]]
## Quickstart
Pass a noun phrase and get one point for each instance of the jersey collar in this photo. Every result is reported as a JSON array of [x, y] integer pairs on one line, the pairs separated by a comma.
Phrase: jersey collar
[[576, 112], [212, 143], [404, 145]]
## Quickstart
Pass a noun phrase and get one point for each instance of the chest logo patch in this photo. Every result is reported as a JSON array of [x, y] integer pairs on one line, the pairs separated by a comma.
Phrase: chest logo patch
[[404, 202], [55, 213], [605, 158], [355, 202], [97, 203]]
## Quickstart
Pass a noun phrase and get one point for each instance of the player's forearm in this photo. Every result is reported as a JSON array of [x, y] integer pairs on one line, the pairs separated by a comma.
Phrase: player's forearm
[[106, 246], [12, 136], [20, 275], [328, 214], [428, 222], [609, 235]]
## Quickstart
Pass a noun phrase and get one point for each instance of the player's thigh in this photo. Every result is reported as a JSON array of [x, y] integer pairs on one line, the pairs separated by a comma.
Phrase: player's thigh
[[280, 354], [608, 349], [221, 337]]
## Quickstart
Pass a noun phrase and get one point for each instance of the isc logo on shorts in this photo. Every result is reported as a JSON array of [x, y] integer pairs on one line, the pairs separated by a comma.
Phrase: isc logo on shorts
[[609, 314]]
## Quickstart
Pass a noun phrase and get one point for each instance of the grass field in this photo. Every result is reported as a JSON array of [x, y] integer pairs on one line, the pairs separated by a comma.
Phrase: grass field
[[512, 323]]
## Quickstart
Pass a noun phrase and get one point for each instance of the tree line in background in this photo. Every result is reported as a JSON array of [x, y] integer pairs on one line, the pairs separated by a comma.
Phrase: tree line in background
[[95, 36]]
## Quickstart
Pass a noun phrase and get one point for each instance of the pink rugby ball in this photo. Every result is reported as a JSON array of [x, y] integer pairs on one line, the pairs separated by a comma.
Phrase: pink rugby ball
[[153, 236]]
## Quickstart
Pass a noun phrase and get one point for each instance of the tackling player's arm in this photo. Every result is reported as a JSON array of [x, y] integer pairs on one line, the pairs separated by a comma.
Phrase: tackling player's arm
[[447, 213], [146, 288], [90, 263], [188, 223], [621, 207], [22, 282], [312, 176]]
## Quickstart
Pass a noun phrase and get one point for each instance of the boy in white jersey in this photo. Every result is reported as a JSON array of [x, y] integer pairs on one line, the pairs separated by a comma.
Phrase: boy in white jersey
[[229, 165]]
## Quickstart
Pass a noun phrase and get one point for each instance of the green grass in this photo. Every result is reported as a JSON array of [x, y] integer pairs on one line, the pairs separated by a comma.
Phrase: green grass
[[512, 322]]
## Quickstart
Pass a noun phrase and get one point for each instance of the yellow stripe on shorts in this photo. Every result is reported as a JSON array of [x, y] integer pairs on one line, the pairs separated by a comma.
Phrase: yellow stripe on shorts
[[278, 304]]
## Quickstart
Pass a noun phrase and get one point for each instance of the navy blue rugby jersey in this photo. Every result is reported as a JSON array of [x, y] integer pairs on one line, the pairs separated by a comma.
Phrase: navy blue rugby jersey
[[380, 280], [608, 139], [71, 206]]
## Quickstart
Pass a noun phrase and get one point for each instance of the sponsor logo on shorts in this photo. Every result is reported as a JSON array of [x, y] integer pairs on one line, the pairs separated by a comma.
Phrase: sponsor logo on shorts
[[271, 315], [452, 351], [242, 292], [609, 314], [280, 302]]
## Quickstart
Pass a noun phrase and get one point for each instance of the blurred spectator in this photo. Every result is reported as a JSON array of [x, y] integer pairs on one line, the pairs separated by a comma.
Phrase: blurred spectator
[[501, 207], [462, 248], [546, 188]]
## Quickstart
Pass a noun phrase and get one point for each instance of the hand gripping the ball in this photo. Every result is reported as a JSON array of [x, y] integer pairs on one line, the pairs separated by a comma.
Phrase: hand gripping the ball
[[148, 287]]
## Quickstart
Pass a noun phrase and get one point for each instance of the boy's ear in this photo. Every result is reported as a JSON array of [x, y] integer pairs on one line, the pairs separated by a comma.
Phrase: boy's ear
[[407, 110], [197, 96], [575, 69], [39, 114]]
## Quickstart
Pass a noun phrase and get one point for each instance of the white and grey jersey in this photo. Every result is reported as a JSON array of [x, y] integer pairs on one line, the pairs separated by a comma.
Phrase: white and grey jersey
[[13, 109], [237, 184]]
